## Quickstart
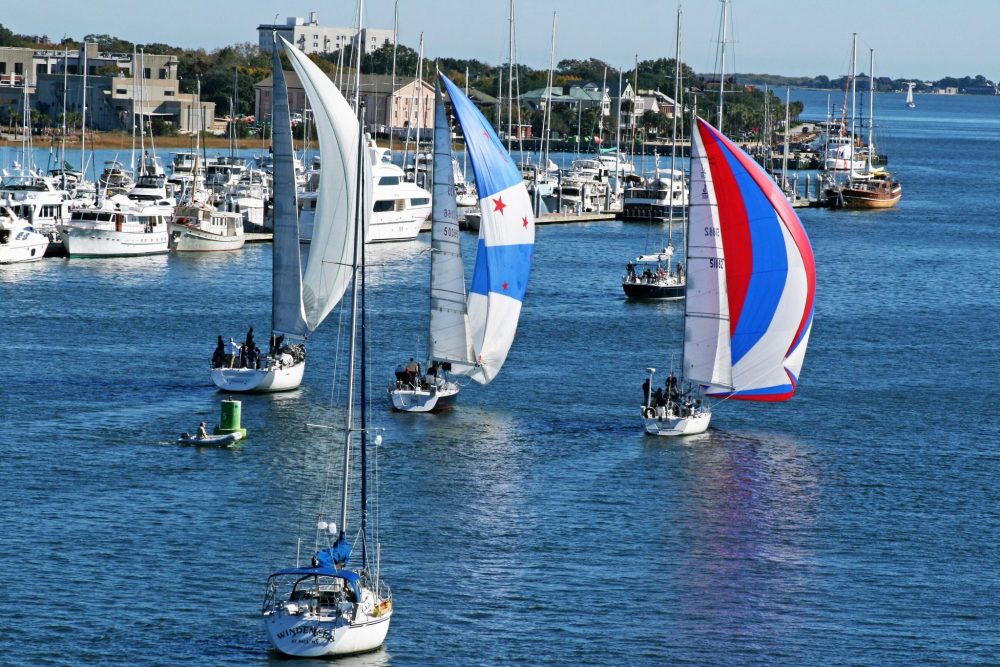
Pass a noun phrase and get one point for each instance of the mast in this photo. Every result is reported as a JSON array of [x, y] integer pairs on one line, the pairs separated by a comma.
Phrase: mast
[[62, 148], [359, 242], [871, 106], [136, 65], [784, 157], [510, 76], [722, 57], [547, 115], [854, 96], [83, 121], [673, 140], [392, 87], [687, 260]]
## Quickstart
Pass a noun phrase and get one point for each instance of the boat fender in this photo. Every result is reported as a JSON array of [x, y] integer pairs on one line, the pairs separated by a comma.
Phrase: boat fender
[[648, 413]]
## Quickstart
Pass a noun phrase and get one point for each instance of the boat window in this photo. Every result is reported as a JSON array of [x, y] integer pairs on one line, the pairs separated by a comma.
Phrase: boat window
[[389, 180], [420, 201], [384, 205]]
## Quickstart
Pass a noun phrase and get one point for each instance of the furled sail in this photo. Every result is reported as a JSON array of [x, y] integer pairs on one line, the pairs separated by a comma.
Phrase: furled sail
[[751, 277], [329, 265], [287, 316], [506, 240], [450, 339]]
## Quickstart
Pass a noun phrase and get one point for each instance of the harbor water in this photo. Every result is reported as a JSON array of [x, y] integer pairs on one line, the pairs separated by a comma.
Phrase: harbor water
[[535, 523]]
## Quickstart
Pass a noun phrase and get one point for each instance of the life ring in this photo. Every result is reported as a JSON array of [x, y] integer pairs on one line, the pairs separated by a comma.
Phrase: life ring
[[648, 413]]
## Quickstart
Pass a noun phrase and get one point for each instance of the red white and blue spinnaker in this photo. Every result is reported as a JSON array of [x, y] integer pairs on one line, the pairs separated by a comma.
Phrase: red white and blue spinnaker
[[506, 239], [751, 277]]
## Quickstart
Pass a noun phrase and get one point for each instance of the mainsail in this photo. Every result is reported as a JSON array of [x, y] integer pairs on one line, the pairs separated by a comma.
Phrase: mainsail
[[287, 316], [506, 240], [328, 268], [751, 277], [450, 339]]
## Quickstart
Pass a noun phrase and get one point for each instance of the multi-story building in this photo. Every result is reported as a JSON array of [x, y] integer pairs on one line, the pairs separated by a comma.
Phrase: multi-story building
[[118, 87], [311, 37], [409, 105]]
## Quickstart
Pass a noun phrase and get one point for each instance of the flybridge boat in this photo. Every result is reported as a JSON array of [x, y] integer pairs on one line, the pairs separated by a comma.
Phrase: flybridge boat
[[399, 210], [19, 242], [653, 199], [116, 227]]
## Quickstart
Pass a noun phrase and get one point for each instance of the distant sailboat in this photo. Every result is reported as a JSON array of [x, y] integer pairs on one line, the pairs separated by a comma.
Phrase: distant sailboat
[[301, 301], [750, 291], [449, 343], [909, 95]]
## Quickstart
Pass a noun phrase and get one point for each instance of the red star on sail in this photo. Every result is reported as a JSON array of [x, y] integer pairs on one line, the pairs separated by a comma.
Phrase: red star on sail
[[505, 286], [499, 206], [525, 219]]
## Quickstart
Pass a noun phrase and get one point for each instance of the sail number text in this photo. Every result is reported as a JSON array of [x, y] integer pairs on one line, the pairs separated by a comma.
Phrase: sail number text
[[712, 232], [717, 262]]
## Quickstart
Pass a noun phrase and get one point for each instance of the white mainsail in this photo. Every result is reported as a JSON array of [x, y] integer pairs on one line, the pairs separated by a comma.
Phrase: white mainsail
[[450, 339], [328, 268], [707, 358], [287, 316]]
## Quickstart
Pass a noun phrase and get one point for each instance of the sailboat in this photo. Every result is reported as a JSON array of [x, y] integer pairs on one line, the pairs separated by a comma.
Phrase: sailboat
[[502, 266], [751, 286], [656, 277], [334, 607], [300, 301], [909, 95], [873, 187], [449, 343]]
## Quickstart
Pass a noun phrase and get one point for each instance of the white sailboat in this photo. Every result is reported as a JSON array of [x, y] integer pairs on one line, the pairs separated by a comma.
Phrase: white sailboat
[[658, 277], [338, 604], [751, 285], [301, 301], [909, 95], [449, 342]]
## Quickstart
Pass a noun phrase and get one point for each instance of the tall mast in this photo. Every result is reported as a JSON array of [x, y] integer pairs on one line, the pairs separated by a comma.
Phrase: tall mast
[[784, 155], [83, 117], [547, 115], [673, 140], [871, 106], [62, 148], [722, 57], [136, 69], [359, 241], [392, 87], [510, 76], [687, 260], [854, 95]]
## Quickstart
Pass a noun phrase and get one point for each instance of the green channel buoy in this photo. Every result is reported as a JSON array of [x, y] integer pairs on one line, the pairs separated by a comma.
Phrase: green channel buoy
[[229, 420]]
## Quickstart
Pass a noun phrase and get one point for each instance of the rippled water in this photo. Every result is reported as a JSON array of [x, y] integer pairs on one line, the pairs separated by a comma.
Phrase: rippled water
[[536, 523]]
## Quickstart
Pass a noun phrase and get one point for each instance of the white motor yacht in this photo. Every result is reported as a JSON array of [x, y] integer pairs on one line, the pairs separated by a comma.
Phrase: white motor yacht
[[19, 242], [116, 227]]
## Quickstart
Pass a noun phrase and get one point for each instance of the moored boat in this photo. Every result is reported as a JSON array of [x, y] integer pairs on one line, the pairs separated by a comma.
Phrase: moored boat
[[19, 242], [116, 227]]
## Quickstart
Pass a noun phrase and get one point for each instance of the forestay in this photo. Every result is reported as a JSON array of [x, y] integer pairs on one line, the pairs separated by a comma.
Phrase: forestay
[[751, 277], [506, 240], [328, 268], [450, 339]]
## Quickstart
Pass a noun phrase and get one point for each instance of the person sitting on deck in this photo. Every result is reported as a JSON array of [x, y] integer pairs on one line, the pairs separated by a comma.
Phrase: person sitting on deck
[[630, 270], [202, 433]]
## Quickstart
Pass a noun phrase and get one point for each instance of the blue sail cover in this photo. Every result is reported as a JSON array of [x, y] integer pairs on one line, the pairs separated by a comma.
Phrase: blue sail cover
[[340, 552], [506, 239]]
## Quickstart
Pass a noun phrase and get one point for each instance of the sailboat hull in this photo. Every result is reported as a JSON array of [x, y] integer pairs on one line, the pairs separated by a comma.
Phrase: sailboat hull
[[251, 380], [306, 635], [639, 290], [677, 426], [434, 399]]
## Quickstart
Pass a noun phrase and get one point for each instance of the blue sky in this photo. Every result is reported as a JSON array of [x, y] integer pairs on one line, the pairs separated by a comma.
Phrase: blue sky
[[925, 39]]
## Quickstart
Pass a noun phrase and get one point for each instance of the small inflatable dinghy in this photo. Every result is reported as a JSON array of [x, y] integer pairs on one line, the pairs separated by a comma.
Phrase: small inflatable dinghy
[[224, 440]]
